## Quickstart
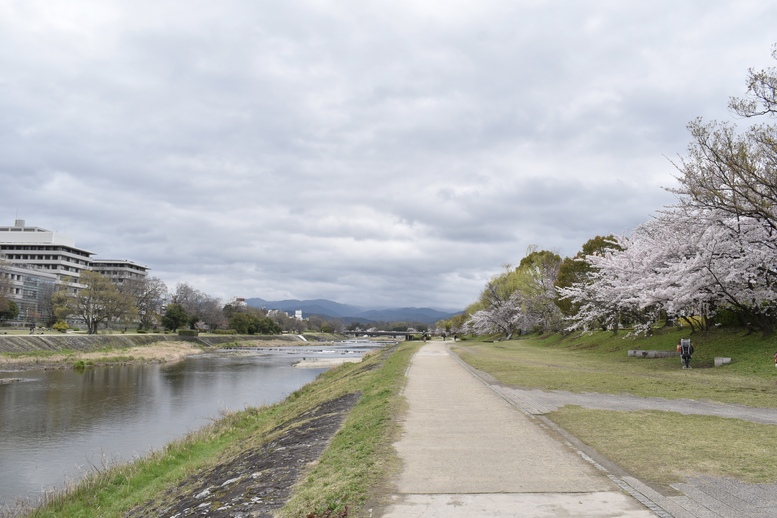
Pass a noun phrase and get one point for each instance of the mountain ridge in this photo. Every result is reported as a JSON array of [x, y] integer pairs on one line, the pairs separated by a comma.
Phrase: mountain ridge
[[331, 309]]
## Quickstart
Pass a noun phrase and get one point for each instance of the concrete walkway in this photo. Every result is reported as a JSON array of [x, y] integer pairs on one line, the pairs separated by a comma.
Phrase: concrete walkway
[[467, 452], [696, 497]]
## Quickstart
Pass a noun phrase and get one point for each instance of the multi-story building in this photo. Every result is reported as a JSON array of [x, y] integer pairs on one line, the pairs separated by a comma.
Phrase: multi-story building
[[40, 249], [119, 270], [38, 256], [29, 288]]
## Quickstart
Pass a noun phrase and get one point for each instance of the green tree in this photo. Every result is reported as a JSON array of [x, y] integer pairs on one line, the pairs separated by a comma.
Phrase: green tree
[[10, 312], [253, 323], [268, 326], [521, 299], [175, 316], [243, 323], [536, 277]]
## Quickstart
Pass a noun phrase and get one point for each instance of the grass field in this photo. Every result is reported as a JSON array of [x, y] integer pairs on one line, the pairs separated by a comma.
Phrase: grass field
[[659, 447]]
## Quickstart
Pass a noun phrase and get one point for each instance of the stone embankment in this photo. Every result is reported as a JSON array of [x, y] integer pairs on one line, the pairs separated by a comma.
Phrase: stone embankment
[[85, 343]]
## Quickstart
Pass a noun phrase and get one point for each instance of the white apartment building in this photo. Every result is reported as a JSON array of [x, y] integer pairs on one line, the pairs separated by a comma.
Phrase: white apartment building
[[41, 249], [36, 255]]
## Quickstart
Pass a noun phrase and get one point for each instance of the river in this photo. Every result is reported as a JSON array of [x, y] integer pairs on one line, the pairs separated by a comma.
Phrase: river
[[56, 425]]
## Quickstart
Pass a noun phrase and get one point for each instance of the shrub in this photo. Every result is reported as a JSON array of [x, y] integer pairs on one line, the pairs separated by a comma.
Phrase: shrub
[[61, 326], [188, 332]]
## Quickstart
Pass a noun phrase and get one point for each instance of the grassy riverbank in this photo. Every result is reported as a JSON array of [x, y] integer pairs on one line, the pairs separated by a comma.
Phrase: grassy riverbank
[[58, 351], [658, 447], [160, 352], [204, 470]]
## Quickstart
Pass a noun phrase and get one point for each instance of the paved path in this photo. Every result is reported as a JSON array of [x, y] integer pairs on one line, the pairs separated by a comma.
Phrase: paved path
[[699, 497], [467, 452], [538, 402], [473, 447]]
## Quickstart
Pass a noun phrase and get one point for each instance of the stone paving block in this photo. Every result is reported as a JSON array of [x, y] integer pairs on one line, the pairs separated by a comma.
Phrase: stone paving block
[[713, 503], [739, 495], [692, 509]]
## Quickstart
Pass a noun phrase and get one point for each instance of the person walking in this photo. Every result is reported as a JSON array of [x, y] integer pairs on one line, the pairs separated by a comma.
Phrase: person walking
[[686, 351]]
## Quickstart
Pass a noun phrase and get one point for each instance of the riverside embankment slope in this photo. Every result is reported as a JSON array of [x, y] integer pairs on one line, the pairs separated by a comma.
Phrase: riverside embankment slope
[[23, 352], [77, 342]]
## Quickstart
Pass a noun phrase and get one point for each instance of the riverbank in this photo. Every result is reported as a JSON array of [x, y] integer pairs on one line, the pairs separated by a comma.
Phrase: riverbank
[[19, 353], [23, 344], [158, 352], [324, 451]]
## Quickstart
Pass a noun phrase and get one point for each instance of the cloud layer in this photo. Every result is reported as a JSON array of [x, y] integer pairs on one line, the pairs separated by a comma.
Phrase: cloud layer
[[374, 153]]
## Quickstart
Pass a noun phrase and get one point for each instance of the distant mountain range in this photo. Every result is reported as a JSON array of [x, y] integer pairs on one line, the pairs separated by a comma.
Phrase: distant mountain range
[[348, 314]]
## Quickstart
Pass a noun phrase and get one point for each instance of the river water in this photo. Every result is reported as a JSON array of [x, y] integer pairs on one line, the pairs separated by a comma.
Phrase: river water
[[56, 425]]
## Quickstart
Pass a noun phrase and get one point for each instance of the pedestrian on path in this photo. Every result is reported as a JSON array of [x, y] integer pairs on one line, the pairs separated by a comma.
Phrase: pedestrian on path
[[686, 351]]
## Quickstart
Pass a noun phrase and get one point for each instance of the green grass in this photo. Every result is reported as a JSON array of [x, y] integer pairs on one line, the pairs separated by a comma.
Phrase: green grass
[[360, 456], [355, 464], [658, 447], [665, 447], [600, 363], [39, 353]]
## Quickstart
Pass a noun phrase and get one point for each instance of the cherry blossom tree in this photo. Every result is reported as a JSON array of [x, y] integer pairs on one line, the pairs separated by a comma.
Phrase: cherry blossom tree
[[685, 263], [576, 269], [731, 171], [499, 313], [521, 299]]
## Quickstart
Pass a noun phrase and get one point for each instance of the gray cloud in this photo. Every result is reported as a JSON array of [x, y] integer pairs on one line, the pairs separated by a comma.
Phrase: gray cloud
[[372, 153]]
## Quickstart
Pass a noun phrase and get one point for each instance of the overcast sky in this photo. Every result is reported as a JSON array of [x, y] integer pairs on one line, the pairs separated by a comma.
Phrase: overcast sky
[[377, 153]]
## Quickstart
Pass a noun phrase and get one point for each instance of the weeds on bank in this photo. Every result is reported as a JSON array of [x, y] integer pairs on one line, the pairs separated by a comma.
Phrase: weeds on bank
[[360, 456]]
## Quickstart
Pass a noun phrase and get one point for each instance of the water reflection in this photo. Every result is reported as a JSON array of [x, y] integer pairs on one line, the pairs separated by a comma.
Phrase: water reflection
[[56, 424]]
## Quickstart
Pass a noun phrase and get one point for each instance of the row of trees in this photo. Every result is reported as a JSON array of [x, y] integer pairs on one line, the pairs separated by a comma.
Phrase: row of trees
[[709, 259], [520, 299], [147, 304]]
